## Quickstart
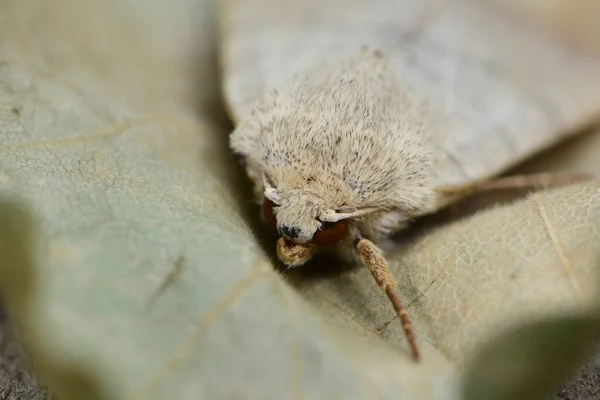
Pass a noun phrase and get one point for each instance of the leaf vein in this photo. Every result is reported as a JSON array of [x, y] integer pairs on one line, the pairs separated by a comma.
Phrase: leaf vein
[[205, 322], [565, 262]]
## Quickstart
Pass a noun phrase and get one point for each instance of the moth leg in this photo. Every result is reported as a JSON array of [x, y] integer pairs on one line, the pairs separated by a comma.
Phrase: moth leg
[[292, 254], [537, 180], [372, 257]]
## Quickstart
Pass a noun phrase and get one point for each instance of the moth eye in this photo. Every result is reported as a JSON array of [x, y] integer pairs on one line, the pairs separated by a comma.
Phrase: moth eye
[[268, 212], [331, 233]]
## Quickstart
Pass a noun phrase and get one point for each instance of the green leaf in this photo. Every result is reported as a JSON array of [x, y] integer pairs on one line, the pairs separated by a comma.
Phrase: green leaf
[[528, 361]]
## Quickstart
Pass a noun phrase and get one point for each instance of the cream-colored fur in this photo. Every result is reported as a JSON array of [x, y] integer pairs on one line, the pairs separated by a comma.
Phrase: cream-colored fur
[[343, 138]]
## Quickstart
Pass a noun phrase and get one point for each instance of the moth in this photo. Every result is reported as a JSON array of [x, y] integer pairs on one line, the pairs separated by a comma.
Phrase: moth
[[343, 155], [340, 157]]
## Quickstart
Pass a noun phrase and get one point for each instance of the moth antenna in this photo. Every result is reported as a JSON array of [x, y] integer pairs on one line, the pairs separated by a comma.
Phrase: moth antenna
[[378, 266], [537, 180]]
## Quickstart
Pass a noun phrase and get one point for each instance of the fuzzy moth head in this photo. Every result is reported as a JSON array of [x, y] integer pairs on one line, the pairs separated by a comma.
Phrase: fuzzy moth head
[[303, 217], [304, 220]]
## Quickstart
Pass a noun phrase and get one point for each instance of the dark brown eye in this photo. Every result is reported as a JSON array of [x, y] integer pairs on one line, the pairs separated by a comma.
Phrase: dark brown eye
[[331, 233], [268, 212]]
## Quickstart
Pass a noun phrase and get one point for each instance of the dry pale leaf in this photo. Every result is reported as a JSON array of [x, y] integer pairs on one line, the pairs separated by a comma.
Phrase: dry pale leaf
[[573, 20], [497, 99]]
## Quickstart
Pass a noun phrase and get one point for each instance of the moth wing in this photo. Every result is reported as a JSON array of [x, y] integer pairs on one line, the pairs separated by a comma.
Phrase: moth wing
[[500, 89]]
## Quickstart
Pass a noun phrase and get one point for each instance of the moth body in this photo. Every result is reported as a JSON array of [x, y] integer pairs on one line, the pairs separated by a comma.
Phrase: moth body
[[343, 144]]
